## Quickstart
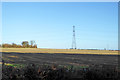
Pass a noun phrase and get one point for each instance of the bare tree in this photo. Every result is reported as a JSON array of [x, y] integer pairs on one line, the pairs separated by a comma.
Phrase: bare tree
[[32, 42]]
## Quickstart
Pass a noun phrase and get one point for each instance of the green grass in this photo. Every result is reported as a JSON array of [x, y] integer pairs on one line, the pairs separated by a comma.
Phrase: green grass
[[15, 65]]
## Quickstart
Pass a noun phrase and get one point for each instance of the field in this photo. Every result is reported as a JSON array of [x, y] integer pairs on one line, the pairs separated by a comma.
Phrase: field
[[61, 56], [76, 59], [68, 51]]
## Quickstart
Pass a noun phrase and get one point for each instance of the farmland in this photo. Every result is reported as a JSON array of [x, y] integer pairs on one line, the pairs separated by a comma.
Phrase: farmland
[[59, 56], [67, 51], [77, 59]]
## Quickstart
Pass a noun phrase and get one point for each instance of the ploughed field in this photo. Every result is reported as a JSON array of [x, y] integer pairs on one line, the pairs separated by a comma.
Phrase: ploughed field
[[24, 56], [58, 64]]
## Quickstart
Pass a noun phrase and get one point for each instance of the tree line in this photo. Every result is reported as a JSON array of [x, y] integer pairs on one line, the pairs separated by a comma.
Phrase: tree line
[[24, 44]]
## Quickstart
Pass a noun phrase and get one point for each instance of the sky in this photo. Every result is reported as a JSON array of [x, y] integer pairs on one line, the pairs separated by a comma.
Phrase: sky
[[50, 24]]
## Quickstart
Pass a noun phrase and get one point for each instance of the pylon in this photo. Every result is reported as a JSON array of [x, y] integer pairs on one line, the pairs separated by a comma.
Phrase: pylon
[[73, 40]]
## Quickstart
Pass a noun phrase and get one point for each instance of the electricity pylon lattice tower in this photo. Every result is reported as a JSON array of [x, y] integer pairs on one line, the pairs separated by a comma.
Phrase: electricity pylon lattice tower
[[73, 40]]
